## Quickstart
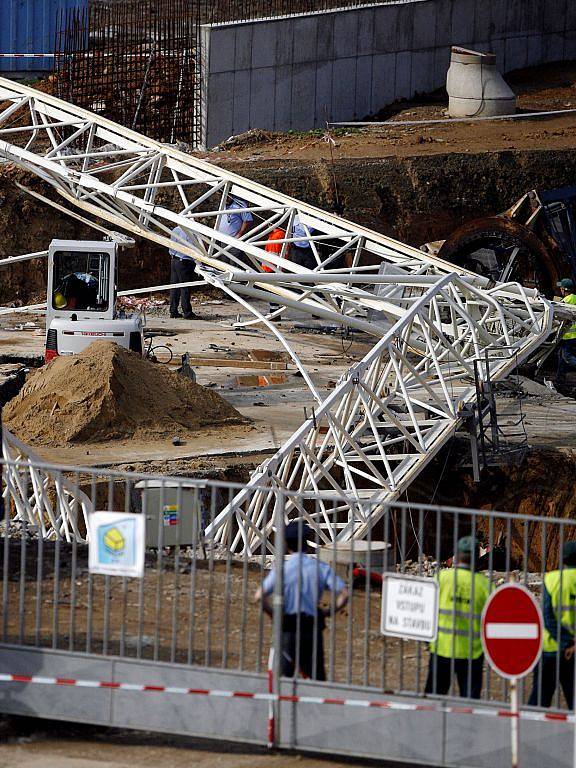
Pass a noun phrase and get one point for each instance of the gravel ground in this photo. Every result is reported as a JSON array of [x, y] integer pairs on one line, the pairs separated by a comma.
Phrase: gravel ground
[[42, 744]]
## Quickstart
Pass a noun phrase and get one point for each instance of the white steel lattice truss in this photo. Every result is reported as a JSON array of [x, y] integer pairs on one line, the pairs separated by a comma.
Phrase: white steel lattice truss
[[390, 414], [40, 497]]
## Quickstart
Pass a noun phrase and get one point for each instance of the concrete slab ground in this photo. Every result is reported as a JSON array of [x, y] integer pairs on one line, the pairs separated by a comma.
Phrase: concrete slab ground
[[276, 410], [61, 745]]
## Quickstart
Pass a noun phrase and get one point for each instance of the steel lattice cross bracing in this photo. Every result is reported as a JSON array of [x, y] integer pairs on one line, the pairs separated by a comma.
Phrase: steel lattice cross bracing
[[392, 412]]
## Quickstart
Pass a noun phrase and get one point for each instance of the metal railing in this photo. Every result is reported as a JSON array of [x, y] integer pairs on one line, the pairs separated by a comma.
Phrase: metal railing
[[195, 604]]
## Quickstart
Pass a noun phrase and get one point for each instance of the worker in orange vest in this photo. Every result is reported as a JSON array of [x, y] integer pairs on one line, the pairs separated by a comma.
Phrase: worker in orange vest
[[273, 246]]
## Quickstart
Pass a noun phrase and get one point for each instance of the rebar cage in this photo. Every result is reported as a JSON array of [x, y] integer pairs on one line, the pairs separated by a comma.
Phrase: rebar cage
[[139, 62], [136, 62]]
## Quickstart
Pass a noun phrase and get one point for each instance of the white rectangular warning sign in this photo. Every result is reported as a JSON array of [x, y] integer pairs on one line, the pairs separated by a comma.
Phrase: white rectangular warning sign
[[409, 607]]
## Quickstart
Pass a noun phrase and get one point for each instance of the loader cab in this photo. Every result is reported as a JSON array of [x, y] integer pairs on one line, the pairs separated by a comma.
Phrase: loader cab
[[81, 280], [81, 300]]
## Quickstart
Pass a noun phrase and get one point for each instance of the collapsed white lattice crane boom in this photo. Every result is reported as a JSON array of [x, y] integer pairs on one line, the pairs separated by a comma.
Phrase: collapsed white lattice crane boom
[[387, 417], [150, 188], [392, 412]]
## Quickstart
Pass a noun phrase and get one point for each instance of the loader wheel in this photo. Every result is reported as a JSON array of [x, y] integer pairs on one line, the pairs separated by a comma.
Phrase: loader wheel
[[502, 249]]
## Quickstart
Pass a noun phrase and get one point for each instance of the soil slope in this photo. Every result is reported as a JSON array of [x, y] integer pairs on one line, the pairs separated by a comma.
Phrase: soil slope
[[108, 393]]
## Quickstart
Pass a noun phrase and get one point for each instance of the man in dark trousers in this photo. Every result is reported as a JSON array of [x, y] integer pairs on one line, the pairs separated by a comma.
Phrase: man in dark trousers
[[182, 270], [462, 596], [305, 580], [557, 662]]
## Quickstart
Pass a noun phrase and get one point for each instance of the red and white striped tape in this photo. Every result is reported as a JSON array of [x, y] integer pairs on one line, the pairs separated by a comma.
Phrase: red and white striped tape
[[27, 55], [143, 56], [272, 697]]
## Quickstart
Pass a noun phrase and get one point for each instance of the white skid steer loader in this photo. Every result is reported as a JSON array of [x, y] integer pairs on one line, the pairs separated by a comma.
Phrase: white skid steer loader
[[81, 300]]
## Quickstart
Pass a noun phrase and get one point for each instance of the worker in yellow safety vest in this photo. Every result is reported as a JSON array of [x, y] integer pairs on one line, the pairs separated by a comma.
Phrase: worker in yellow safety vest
[[559, 608], [567, 347], [458, 648]]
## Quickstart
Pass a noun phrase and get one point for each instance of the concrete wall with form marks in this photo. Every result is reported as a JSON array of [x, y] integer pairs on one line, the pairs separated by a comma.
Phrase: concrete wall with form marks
[[295, 73], [29, 26]]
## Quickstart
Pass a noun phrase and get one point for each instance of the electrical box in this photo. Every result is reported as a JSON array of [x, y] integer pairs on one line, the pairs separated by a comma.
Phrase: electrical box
[[173, 513]]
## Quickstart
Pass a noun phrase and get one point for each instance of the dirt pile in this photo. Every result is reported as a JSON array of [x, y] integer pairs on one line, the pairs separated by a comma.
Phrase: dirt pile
[[541, 485], [108, 393]]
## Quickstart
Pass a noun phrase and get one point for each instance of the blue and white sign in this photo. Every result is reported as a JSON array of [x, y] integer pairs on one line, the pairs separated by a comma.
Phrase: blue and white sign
[[116, 544]]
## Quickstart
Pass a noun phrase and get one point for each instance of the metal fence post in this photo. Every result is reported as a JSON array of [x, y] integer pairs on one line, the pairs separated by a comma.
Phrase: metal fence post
[[278, 604]]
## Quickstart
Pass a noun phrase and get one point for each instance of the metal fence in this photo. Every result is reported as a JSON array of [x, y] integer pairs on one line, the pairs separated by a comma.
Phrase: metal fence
[[195, 604]]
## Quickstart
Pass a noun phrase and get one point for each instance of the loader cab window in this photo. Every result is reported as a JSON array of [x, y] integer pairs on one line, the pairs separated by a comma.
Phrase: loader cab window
[[81, 281]]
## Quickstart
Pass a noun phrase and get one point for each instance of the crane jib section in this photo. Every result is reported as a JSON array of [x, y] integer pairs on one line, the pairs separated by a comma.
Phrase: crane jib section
[[431, 322]]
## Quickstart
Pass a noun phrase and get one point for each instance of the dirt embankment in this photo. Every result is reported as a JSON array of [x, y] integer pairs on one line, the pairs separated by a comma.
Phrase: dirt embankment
[[542, 484], [419, 198], [28, 225], [107, 393]]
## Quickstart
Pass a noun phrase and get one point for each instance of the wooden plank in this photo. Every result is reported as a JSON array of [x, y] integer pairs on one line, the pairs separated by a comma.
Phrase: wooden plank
[[229, 362]]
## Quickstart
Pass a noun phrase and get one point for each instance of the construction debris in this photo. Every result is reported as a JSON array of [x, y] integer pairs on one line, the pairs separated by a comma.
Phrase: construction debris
[[532, 242]]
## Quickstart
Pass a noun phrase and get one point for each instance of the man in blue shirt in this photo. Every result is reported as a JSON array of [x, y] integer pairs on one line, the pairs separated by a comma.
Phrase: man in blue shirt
[[235, 222], [301, 252], [182, 270], [305, 581]]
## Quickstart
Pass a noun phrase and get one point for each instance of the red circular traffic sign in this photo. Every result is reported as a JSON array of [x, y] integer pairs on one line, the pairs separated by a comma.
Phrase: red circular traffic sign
[[512, 631]]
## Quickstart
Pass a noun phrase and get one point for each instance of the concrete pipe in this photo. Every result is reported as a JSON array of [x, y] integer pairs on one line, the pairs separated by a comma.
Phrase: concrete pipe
[[475, 87]]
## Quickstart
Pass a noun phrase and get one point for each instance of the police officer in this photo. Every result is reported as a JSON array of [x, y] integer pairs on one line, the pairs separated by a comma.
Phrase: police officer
[[301, 251], [305, 581], [235, 222], [559, 625], [458, 648]]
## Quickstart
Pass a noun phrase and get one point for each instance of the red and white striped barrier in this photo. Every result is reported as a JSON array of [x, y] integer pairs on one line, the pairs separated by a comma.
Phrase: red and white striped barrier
[[144, 56], [27, 55], [271, 697], [271, 702]]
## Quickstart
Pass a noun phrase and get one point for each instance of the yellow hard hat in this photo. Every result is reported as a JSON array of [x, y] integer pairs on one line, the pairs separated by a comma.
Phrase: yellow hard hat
[[60, 300]]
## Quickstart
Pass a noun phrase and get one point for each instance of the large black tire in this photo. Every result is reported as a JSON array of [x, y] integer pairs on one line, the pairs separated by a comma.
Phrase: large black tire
[[485, 245]]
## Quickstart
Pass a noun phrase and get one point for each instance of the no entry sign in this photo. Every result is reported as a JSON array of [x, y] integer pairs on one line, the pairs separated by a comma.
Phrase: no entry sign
[[512, 631]]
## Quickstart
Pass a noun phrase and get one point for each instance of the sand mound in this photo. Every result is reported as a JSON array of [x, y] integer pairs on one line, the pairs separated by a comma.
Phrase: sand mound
[[108, 393]]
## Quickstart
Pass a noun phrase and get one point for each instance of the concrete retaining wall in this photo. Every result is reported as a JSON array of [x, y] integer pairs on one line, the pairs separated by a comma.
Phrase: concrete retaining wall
[[295, 73]]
